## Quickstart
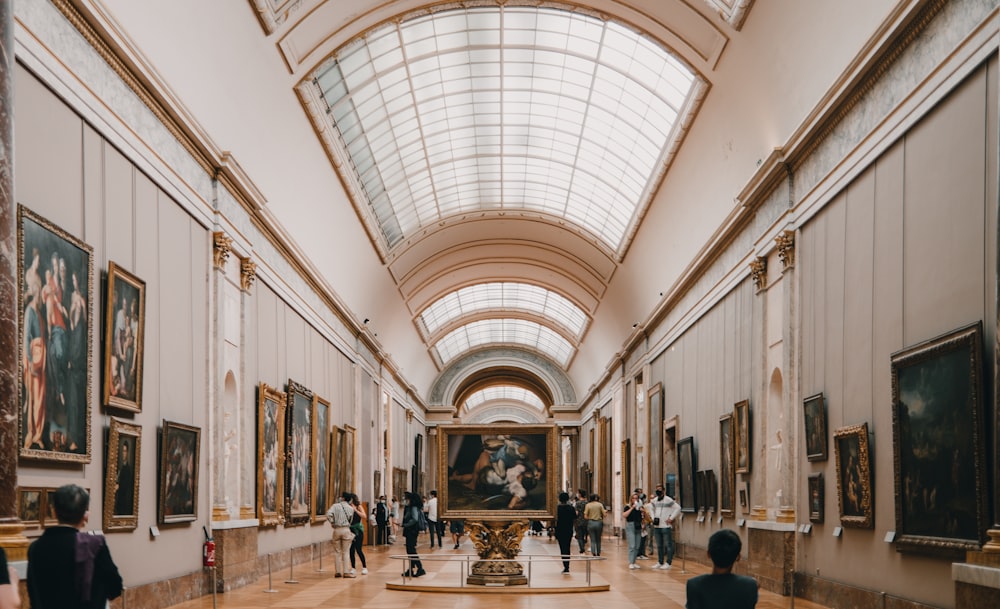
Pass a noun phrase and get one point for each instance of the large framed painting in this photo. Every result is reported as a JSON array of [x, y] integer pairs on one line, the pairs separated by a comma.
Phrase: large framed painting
[[298, 472], [270, 455], [814, 416], [179, 447], [687, 466], [498, 472], [55, 301], [336, 484], [701, 490], [741, 444], [124, 323], [626, 461], [321, 499], [711, 491], [816, 498], [347, 456], [727, 473], [121, 479], [939, 444], [31, 506], [854, 476]]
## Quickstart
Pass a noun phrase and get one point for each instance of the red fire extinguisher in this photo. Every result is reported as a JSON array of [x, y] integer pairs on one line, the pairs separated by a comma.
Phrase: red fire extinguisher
[[208, 553]]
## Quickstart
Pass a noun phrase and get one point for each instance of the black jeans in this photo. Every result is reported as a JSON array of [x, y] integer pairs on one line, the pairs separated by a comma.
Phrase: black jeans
[[382, 534], [436, 529], [564, 543], [411, 549], [357, 546]]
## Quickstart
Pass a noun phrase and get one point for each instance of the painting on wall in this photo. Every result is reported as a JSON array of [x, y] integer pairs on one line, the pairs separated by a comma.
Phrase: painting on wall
[[31, 506], [814, 416], [939, 444], [688, 464], [498, 472], [711, 491], [124, 323], [121, 478], [816, 499], [854, 478], [626, 461], [347, 456], [321, 499], [55, 301], [179, 447], [336, 487], [298, 469], [270, 455], [741, 444], [727, 473]]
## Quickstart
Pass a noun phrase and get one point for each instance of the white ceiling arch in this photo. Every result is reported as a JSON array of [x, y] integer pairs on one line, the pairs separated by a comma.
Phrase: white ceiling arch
[[504, 412]]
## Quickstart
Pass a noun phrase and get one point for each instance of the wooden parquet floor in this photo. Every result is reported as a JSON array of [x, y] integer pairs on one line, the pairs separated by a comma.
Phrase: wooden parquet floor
[[645, 588]]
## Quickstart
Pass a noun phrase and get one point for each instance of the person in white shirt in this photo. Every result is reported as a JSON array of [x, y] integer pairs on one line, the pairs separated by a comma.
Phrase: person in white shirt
[[340, 515], [434, 526], [664, 511]]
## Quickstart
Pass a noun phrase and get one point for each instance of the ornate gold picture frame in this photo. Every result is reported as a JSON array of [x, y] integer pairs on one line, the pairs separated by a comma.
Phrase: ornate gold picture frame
[[298, 471], [121, 481], [270, 455], [854, 476], [741, 443], [179, 453], [497, 472], [321, 498], [124, 323], [727, 473]]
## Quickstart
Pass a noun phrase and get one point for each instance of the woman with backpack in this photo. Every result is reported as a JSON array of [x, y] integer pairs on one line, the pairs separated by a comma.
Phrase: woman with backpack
[[412, 513]]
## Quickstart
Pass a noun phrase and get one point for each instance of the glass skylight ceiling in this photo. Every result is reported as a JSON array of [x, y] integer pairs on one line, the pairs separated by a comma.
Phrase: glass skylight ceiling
[[506, 296], [506, 393], [504, 331], [504, 107]]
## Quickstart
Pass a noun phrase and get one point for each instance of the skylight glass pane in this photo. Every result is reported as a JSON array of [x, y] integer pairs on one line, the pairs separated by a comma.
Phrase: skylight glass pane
[[506, 87], [504, 296], [504, 393], [504, 332]]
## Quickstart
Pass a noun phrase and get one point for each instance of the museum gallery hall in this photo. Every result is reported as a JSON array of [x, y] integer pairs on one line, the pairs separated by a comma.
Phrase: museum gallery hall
[[259, 254]]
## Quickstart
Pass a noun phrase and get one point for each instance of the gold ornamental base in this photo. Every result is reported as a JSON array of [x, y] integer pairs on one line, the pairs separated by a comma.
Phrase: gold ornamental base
[[497, 543]]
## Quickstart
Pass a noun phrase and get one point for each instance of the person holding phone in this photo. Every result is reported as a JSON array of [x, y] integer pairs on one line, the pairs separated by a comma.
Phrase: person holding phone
[[633, 528]]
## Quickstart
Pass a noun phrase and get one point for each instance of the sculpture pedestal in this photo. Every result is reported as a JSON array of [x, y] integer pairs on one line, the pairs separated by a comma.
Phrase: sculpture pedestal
[[497, 543]]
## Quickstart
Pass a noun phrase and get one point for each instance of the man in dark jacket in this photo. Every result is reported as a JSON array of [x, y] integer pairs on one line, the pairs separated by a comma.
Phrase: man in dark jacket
[[67, 568]]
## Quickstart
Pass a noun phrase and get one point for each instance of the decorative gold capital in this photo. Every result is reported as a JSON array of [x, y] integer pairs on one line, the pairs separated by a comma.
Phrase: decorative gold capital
[[786, 514], [219, 513], [993, 545], [248, 272], [758, 270], [223, 245], [13, 541], [758, 512], [786, 248]]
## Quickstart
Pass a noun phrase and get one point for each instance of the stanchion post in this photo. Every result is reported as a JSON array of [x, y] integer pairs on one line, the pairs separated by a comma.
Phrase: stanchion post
[[684, 558], [124, 597], [291, 568], [320, 570], [215, 587], [270, 588]]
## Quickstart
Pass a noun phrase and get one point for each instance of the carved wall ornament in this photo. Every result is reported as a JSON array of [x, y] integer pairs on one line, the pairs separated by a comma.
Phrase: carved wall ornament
[[248, 272], [758, 270], [786, 248], [222, 247]]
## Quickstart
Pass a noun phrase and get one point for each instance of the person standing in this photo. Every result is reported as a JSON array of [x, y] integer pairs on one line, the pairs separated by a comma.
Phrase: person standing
[[358, 529], [721, 588], [457, 528], [67, 567], [565, 517], [580, 524], [633, 528], [664, 511], [412, 506], [9, 596], [394, 518], [381, 522], [593, 513], [340, 515], [434, 525]]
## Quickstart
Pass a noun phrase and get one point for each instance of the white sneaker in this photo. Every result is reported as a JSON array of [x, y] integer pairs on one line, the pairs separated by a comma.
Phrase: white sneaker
[[656, 566], [643, 557], [352, 572], [633, 566], [364, 570], [665, 567]]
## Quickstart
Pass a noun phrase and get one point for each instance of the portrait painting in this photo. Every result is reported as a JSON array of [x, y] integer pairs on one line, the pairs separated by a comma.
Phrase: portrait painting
[[498, 472], [121, 479], [701, 490], [336, 483], [939, 445], [687, 465], [814, 416], [124, 323], [298, 472], [270, 455], [55, 302], [347, 459], [179, 447], [741, 443], [743, 497], [30, 506], [854, 478], [711, 491], [815, 496], [321, 458], [727, 473]]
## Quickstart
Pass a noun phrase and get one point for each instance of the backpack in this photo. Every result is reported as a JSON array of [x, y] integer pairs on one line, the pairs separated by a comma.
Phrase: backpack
[[422, 522]]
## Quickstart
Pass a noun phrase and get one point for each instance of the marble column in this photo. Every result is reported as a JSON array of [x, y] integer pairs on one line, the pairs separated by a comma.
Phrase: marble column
[[11, 538]]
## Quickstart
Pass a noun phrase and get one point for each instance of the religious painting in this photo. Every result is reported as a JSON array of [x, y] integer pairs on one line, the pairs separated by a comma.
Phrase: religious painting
[[854, 478], [298, 470], [49, 517], [815, 497], [31, 506], [270, 455], [701, 491], [321, 458], [814, 416], [347, 456], [939, 445], [121, 479], [498, 472], [55, 301], [124, 323], [727, 473], [626, 460], [336, 484], [741, 443], [711, 491], [179, 447], [688, 463]]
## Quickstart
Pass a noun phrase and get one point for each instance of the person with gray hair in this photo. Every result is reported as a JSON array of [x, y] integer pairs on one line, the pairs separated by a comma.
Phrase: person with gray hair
[[68, 567]]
